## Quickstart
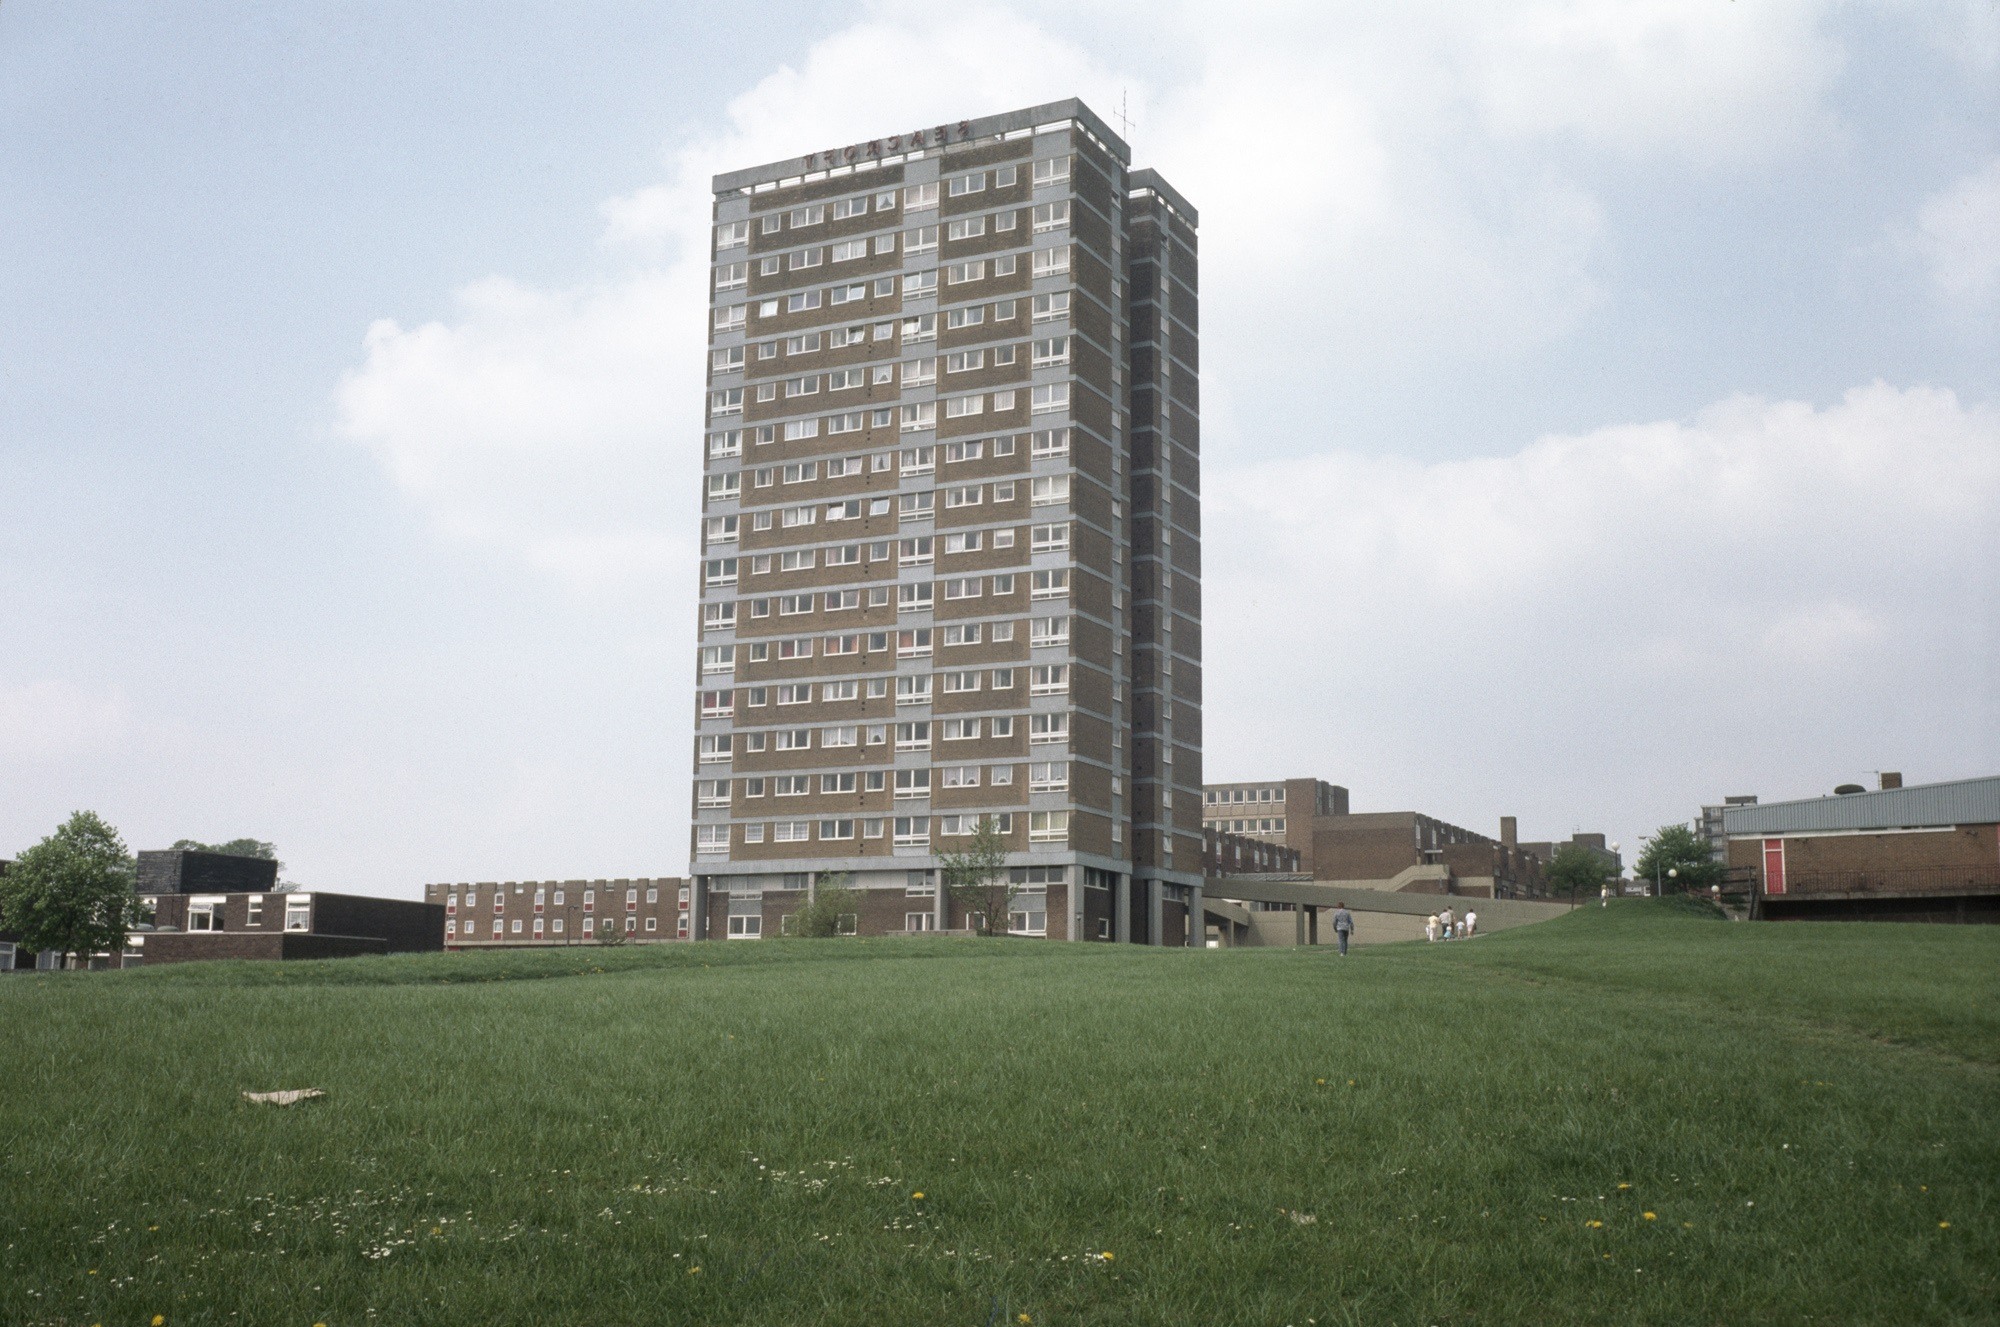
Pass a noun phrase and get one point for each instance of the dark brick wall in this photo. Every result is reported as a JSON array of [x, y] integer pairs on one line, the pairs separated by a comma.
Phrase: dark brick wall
[[182, 871], [183, 947], [1956, 860], [407, 927]]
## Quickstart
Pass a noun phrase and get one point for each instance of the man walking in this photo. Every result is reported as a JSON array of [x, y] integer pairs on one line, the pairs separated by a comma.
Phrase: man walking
[[1343, 926]]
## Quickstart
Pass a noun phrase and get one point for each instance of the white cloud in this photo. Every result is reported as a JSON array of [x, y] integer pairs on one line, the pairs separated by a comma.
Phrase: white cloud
[[1669, 588], [1959, 235], [1711, 83], [55, 720]]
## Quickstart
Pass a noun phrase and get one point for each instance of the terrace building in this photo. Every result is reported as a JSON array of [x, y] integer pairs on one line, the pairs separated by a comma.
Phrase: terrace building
[[530, 913], [951, 532]]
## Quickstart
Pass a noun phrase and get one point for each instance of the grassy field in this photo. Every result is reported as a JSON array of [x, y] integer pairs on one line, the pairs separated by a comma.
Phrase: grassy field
[[1627, 1115]]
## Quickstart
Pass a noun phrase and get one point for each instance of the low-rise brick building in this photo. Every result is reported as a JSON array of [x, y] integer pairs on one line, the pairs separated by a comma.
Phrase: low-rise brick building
[[185, 927], [499, 914], [1401, 850], [1928, 852]]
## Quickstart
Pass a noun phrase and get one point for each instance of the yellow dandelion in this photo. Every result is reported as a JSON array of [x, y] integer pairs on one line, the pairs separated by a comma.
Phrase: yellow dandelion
[[1595, 1225], [1649, 1216], [694, 1271], [1106, 1255], [1350, 1082], [159, 1318], [152, 1227], [1023, 1319], [1320, 1081], [1687, 1225], [918, 1195], [93, 1271], [1944, 1225], [1624, 1186]]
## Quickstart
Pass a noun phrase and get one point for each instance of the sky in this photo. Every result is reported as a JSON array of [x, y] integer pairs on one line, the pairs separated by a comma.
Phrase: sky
[[1601, 398]]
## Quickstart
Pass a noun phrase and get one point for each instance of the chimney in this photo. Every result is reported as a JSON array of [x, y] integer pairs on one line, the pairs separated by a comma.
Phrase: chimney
[[1891, 779], [1509, 832]]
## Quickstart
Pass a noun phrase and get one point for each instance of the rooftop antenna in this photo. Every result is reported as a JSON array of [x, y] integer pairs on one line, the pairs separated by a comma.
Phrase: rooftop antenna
[[1124, 120]]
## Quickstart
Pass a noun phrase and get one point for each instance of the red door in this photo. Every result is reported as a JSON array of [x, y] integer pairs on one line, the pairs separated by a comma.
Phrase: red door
[[1774, 866]]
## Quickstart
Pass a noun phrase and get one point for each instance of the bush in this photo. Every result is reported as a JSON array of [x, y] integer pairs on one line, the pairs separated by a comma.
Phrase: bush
[[832, 910]]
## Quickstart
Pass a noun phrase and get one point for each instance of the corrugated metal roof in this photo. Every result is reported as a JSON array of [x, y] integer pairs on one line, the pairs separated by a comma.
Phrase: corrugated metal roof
[[1961, 802]]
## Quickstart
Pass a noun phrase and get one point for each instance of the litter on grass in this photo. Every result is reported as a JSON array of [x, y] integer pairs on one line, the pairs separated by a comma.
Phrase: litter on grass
[[284, 1098]]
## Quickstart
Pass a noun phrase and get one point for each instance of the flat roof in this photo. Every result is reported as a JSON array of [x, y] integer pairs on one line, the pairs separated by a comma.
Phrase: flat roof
[[823, 162], [1920, 806]]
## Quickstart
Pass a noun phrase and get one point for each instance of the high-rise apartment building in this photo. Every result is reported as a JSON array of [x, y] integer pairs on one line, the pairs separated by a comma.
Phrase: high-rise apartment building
[[951, 563]]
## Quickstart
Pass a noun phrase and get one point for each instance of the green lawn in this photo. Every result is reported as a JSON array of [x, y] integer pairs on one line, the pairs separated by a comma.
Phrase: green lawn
[[1632, 1114]]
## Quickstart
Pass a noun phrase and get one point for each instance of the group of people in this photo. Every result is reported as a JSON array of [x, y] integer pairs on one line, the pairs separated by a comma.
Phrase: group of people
[[1444, 926]]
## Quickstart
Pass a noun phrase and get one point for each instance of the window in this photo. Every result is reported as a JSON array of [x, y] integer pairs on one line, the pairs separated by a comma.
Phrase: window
[[729, 401], [1048, 776], [707, 838], [1003, 631], [1048, 679], [205, 912], [962, 635], [922, 328], [841, 600], [729, 319], [913, 690], [1051, 350], [1049, 491], [917, 550], [849, 294], [920, 196], [746, 926], [731, 234], [836, 830], [969, 316], [801, 472], [912, 831], [1048, 631], [920, 285], [1043, 728], [718, 658], [961, 185], [965, 361], [833, 645], [919, 419], [952, 826], [753, 833], [847, 555], [919, 921], [850, 207], [1050, 169], [727, 443], [727, 360], [962, 587], [708, 793], [910, 644], [1006, 220], [842, 379], [963, 451], [915, 598], [913, 783], [913, 736], [791, 831], [1049, 396], [717, 704], [1050, 442], [1051, 216], [836, 783], [960, 273], [1051, 306], [1049, 538], [848, 250], [808, 216], [966, 228], [730, 276], [1003, 679], [960, 730], [965, 495], [1048, 826], [960, 776], [918, 372]]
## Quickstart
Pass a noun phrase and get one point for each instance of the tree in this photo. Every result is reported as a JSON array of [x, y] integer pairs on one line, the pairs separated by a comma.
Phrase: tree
[[609, 932], [1675, 848], [1576, 870], [72, 893], [978, 880], [832, 910]]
